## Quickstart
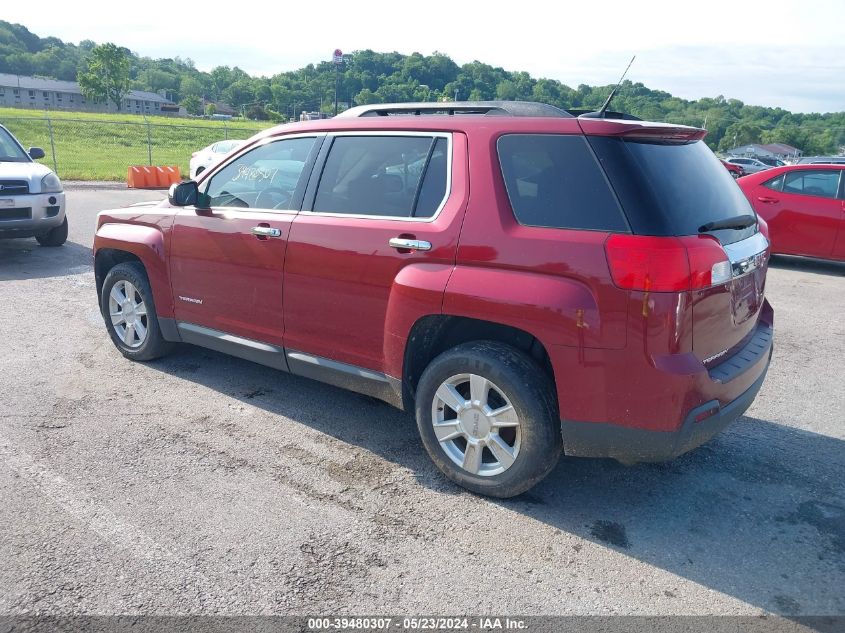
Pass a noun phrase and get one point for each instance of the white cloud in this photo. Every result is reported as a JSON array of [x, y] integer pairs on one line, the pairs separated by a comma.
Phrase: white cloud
[[780, 53]]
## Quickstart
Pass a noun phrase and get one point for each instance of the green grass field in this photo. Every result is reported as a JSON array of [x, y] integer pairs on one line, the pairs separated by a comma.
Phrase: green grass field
[[93, 146]]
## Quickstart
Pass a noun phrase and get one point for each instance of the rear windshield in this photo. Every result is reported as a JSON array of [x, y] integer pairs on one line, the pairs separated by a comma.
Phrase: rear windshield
[[671, 188]]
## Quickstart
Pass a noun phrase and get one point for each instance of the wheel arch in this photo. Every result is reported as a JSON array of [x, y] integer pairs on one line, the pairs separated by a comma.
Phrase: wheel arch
[[118, 243], [105, 260], [433, 334]]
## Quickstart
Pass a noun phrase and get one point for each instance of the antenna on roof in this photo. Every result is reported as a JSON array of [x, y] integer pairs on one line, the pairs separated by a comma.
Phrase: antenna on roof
[[612, 94]]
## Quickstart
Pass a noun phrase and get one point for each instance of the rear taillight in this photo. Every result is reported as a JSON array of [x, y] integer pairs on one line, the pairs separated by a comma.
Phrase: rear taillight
[[194, 155], [709, 264], [666, 264], [763, 227]]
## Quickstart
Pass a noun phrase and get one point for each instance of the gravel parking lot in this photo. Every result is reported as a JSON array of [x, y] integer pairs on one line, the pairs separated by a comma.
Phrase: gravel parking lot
[[206, 484]]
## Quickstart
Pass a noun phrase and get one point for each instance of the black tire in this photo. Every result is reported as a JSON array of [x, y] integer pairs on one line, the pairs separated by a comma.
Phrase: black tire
[[55, 236], [530, 391], [154, 346]]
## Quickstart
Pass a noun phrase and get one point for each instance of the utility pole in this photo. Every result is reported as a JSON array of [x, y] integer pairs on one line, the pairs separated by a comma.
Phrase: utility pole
[[337, 59]]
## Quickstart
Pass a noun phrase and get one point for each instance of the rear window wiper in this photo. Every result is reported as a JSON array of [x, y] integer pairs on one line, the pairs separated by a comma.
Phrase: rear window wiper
[[737, 222]]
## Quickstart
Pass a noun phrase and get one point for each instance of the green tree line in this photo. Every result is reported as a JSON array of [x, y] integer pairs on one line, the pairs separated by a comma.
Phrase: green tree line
[[372, 77]]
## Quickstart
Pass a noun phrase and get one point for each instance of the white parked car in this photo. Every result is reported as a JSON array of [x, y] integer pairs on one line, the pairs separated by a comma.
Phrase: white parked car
[[208, 156], [32, 202], [750, 165]]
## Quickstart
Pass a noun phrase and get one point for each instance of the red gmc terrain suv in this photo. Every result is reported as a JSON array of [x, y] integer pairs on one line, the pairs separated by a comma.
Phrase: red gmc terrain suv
[[526, 280]]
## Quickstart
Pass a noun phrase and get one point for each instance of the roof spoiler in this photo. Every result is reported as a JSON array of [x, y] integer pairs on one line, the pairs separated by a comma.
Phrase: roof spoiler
[[647, 131]]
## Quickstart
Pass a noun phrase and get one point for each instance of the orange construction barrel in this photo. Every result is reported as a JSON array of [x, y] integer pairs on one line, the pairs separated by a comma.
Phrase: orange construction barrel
[[152, 177]]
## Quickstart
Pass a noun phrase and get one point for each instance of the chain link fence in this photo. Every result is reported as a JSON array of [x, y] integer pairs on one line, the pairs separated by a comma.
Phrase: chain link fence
[[79, 149]]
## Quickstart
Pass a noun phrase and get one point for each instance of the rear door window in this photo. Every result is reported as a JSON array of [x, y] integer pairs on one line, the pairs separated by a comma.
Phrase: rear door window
[[397, 176], [555, 181], [822, 184]]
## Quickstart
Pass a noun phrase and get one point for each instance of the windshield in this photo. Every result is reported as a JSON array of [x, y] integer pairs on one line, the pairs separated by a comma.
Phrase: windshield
[[671, 188], [10, 150], [227, 146]]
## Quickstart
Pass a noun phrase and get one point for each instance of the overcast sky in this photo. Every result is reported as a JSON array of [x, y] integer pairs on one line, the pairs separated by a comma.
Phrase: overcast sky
[[774, 53]]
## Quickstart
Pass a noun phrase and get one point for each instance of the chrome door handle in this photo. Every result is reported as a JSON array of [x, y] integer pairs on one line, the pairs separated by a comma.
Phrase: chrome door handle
[[266, 231], [409, 245]]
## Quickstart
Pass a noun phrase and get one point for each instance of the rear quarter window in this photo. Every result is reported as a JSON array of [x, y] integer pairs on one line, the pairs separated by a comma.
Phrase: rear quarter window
[[775, 184], [555, 181]]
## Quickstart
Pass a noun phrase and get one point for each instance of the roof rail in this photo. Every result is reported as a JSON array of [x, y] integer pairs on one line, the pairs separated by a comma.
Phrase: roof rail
[[487, 108]]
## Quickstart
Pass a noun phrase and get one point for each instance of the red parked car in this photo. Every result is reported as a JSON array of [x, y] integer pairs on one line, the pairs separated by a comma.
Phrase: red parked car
[[804, 206], [735, 170], [525, 280]]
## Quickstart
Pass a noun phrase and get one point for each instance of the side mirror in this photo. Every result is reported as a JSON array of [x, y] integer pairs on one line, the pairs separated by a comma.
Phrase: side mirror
[[36, 152], [183, 194]]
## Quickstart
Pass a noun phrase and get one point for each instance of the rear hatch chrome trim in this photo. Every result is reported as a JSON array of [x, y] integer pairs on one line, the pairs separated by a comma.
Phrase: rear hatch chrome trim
[[747, 255]]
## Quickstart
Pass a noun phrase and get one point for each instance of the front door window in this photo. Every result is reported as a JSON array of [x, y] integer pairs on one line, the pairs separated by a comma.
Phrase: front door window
[[267, 177]]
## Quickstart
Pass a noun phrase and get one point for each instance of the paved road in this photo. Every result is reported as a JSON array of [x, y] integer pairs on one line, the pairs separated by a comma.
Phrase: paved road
[[206, 484]]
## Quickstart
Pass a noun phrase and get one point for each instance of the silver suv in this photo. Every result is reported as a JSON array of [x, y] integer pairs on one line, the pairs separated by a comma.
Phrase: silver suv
[[32, 203], [750, 165]]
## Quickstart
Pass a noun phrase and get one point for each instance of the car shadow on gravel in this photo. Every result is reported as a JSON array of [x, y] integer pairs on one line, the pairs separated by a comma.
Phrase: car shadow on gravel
[[807, 265], [24, 258], [758, 513]]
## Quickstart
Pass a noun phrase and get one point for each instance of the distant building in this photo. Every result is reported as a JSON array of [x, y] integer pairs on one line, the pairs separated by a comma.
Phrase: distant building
[[219, 107], [772, 150], [313, 116], [18, 91]]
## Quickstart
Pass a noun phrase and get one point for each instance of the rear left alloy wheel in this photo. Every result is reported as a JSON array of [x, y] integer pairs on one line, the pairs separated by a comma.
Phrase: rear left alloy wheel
[[129, 312], [476, 424], [487, 416]]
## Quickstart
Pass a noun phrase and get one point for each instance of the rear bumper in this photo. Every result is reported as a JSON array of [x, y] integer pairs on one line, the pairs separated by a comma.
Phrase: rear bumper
[[632, 445]]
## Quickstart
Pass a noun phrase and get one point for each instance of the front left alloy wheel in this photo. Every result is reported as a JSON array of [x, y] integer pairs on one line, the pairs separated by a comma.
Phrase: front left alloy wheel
[[128, 309], [128, 314]]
